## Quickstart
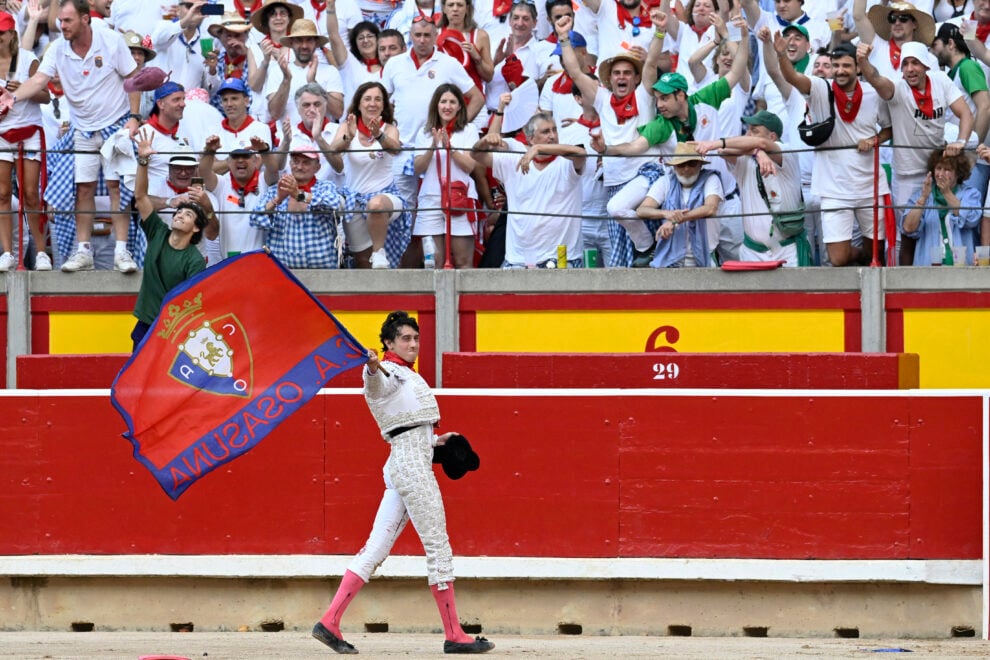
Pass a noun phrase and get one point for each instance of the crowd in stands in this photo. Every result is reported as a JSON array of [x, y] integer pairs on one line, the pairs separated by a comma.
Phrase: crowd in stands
[[499, 133]]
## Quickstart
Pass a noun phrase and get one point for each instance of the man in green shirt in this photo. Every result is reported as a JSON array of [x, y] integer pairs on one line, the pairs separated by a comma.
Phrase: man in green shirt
[[172, 256], [680, 118], [953, 54]]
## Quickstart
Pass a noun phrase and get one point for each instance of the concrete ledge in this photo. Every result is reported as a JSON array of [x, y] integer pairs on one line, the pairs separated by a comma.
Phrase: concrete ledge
[[957, 572]]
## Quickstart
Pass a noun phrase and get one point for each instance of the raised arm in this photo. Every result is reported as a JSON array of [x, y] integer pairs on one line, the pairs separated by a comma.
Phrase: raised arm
[[337, 45], [206, 162], [863, 25], [740, 64], [142, 202], [659, 20], [587, 84], [753, 11], [981, 122], [884, 86]]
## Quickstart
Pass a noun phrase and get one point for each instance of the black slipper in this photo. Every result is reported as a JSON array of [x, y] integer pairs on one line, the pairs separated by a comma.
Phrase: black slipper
[[321, 633], [479, 645]]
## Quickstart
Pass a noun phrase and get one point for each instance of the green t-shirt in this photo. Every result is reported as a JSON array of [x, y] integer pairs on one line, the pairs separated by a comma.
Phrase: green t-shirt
[[659, 130], [970, 75], [164, 268]]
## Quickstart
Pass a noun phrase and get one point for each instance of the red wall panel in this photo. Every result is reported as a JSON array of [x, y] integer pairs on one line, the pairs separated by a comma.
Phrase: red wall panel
[[573, 476]]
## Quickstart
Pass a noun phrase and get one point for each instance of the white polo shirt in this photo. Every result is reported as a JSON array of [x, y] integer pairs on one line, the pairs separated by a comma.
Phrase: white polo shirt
[[411, 89], [93, 84]]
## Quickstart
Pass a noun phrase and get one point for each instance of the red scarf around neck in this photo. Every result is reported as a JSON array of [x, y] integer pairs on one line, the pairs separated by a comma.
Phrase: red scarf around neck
[[244, 11], [176, 189], [395, 359], [625, 108], [234, 68], [847, 108], [364, 130], [563, 84], [626, 17], [982, 29], [372, 62], [318, 7], [248, 120], [895, 55], [588, 123], [154, 122], [307, 187], [248, 188], [544, 160], [415, 59], [307, 132], [924, 100], [501, 8]]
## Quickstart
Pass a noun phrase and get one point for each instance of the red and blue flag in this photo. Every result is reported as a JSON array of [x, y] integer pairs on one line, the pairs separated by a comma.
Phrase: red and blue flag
[[233, 353]]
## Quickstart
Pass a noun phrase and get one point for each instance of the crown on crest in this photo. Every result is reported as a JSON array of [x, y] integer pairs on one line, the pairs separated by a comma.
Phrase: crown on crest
[[179, 316]]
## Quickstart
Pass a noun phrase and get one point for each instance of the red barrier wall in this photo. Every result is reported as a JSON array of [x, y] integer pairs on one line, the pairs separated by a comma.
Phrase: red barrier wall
[[576, 476], [878, 371]]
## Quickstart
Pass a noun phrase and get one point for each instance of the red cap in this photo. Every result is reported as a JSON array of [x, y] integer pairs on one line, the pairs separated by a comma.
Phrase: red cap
[[7, 22]]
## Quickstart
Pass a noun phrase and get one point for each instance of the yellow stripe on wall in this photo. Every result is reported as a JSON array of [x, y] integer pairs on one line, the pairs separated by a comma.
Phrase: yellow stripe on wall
[[954, 345], [704, 331]]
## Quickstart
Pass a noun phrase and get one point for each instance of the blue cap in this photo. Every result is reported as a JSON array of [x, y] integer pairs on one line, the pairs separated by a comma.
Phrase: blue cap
[[168, 88], [233, 85], [577, 41]]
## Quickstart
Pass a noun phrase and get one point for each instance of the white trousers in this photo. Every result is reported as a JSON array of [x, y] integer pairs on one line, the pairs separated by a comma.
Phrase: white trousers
[[411, 493]]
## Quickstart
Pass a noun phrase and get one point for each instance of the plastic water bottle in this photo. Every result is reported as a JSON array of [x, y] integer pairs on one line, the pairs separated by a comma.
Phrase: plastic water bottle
[[429, 252]]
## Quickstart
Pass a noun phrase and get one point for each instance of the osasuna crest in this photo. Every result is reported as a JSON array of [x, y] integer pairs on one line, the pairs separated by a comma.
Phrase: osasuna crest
[[214, 356]]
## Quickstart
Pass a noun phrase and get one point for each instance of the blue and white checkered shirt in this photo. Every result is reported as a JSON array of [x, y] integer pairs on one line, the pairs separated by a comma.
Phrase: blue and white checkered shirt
[[61, 194], [306, 239]]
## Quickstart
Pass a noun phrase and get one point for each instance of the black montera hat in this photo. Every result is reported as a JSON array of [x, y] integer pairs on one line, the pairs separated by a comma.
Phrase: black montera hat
[[456, 457]]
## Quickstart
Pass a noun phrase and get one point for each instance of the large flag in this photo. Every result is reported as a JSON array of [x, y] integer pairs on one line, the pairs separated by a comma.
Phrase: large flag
[[234, 351]]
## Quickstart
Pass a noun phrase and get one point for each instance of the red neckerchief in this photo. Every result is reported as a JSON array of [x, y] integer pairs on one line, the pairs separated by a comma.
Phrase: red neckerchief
[[450, 127], [563, 84], [374, 61], [156, 124], [982, 29], [319, 8], [588, 123], [274, 43], [501, 8], [363, 128], [225, 125], [96, 14], [235, 68], [307, 187], [544, 160], [625, 108], [395, 359], [521, 137], [924, 99], [415, 59], [245, 12], [250, 187], [846, 107], [307, 132], [551, 39], [698, 30], [58, 93], [895, 55], [176, 190], [625, 16]]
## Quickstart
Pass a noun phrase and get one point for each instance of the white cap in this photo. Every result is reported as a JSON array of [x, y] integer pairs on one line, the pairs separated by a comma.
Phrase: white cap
[[918, 51]]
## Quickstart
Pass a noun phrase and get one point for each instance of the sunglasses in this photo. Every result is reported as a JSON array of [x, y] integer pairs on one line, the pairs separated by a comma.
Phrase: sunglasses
[[636, 21], [899, 18], [524, 2]]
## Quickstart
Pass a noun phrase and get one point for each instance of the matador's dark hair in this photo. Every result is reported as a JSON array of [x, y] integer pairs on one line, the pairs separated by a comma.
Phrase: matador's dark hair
[[390, 328]]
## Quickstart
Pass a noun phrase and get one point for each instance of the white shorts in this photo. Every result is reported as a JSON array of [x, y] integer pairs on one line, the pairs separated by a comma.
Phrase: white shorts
[[433, 222], [32, 149], [88, 164], [356, 227], [838, 217]]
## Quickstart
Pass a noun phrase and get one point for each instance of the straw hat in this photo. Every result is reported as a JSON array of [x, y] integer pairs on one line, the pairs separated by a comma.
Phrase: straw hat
[[303, 28], [295, 13], [925, 32], [684, 153], [230, 20], [605, 68], [135, 40]]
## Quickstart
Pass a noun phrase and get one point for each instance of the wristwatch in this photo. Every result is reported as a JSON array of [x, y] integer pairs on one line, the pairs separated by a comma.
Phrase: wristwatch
[[300, 196]]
